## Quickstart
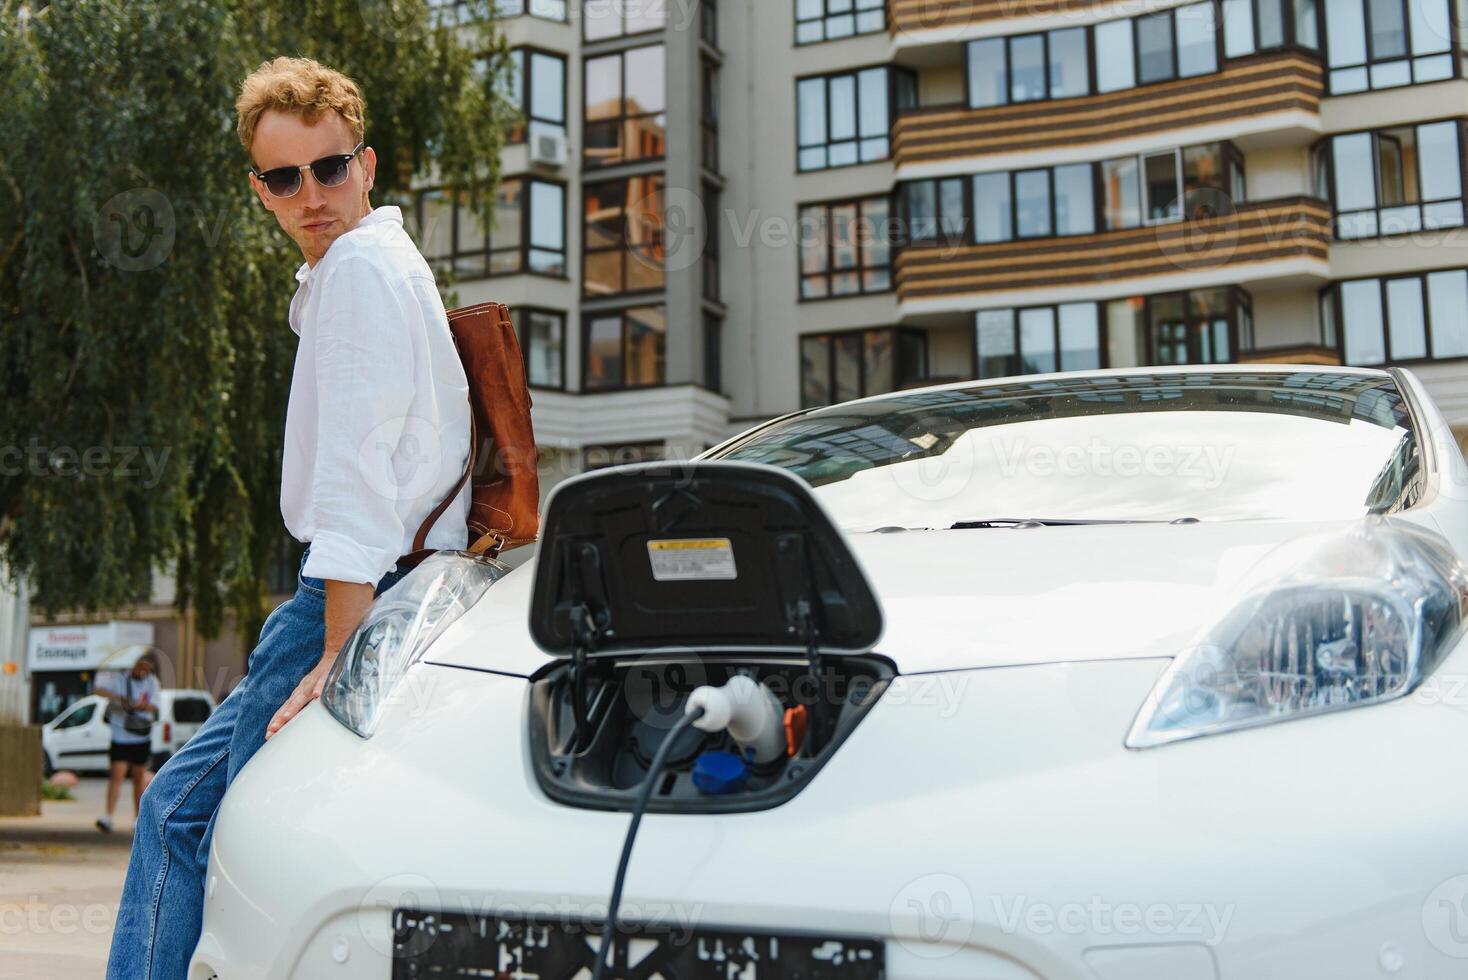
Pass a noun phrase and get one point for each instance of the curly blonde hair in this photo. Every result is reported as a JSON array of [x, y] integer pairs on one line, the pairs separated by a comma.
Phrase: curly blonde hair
[[301, 86]]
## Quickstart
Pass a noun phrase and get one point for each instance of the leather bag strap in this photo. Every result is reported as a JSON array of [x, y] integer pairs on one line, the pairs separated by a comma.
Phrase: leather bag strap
[[443, 505]]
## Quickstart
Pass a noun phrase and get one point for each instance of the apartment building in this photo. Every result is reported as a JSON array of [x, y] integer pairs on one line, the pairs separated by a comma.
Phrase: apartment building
[[598, 242], [765, 206]]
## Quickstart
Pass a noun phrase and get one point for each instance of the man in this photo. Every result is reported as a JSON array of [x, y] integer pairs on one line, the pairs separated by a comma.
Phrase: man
[[132, 708], [376, 434]]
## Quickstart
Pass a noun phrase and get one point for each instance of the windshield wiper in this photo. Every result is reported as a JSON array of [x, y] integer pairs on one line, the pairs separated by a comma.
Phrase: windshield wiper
[[1058, 522]]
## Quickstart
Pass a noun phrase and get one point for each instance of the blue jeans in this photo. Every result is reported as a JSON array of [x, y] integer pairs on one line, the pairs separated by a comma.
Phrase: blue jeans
[[161, 913]]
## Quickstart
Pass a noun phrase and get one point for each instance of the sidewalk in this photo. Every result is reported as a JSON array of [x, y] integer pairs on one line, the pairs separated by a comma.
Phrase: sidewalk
[[60, 879]]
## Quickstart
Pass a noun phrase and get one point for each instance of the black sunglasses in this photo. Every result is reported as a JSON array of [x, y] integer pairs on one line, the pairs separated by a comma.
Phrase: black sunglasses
[[328, 171]]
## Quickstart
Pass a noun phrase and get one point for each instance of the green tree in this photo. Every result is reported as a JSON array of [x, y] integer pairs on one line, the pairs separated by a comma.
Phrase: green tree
[[144, 291]]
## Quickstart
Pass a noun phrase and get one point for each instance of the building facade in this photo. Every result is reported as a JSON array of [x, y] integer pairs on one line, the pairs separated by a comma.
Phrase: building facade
[[765, 206]]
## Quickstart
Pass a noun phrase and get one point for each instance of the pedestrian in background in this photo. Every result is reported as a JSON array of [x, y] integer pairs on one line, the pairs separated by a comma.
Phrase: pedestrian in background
[[132, 708]]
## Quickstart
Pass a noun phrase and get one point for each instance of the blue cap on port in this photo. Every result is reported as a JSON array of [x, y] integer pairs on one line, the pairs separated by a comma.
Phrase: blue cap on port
[[719, 773]]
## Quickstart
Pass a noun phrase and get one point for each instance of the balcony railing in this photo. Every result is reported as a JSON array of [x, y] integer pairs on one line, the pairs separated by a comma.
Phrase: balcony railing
[[1297, 354], [1247, 90], [1255, 232], [911, 16]]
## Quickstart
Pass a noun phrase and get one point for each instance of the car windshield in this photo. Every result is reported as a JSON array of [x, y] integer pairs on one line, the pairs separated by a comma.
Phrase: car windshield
[[1139, 447]]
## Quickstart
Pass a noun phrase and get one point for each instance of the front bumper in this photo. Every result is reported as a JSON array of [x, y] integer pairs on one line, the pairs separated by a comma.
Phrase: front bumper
[[989, 824]]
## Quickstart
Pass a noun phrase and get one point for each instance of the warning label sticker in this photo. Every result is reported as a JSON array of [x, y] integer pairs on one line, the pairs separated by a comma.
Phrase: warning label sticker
[[675, 559]]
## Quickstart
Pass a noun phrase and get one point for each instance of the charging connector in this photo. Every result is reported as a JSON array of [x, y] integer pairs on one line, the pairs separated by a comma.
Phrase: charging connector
[[749, 711]]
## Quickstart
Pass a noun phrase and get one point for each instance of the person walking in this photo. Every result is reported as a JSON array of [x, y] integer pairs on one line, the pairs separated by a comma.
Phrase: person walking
[[377, 433], [132, 709]]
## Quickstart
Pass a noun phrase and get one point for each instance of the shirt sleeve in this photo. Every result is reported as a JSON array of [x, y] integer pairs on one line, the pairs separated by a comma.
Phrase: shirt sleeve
[[364, 387]]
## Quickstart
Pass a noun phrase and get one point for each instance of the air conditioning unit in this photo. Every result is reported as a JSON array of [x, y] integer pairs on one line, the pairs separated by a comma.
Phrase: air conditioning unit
[[548, 149]]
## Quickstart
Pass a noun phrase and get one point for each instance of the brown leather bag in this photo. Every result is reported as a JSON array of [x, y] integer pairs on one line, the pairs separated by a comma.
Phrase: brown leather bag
[[504, 505]]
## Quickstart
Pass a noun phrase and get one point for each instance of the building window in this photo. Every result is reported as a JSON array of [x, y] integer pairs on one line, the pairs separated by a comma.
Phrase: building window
[[1039, 203], [549, 9], [1121, 54], [713, 347], [1384, 43], [540, 95], [1178, 43], [1201, 326], [623, 238], [1408, 318], [708, 22], [1393, 180], [711, 213], [838, 367], [625, 348], [1263, 25], [1029, 67], [546, 234], [827, 20], [846, 119], [1037, 340], [845, 249], [602, 19], [625, 108], [709, 116], [932, 212], [542, 335], [1195, 182], [452, 13], [528, 235]]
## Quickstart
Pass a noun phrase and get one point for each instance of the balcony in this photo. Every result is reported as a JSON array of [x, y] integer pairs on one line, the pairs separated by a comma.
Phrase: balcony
[[1298, 354], [1293, 232], [1248, 96], [914, 16]]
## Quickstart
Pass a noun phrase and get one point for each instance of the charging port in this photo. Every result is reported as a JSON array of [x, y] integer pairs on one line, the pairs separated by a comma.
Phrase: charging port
[[633, 703], [654, 580]]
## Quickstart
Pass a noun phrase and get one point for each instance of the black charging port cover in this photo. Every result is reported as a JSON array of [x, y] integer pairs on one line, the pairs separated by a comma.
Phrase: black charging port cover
[[696, 556]]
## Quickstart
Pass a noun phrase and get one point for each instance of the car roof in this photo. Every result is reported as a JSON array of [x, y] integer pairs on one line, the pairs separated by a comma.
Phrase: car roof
[[1145, 372], [728, 444]]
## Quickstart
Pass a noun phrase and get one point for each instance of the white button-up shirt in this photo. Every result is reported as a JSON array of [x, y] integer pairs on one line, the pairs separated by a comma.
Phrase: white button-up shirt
[[377, 427]]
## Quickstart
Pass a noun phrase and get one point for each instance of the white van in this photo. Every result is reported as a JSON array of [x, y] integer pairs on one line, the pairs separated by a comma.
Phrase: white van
[[77, 739]]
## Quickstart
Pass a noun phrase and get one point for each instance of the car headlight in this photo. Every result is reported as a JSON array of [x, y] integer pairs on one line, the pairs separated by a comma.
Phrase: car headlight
[[1328, 622], [399, 625]]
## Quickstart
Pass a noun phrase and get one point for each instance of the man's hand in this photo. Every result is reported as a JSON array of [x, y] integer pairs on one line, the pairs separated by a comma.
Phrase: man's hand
[[307, 691], [346, 604]]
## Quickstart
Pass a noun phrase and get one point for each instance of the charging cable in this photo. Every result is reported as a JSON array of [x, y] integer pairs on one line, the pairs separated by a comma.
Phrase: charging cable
[[638, 809]]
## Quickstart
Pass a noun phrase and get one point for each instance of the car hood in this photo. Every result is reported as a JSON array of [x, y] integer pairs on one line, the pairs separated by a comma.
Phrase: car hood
[[987, 597]]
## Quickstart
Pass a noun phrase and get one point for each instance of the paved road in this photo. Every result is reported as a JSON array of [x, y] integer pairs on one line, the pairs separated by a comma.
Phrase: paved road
[[60, 879]]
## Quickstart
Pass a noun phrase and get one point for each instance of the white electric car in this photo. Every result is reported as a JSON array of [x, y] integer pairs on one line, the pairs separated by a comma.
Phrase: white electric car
[[1149, 674], [79, 737]]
